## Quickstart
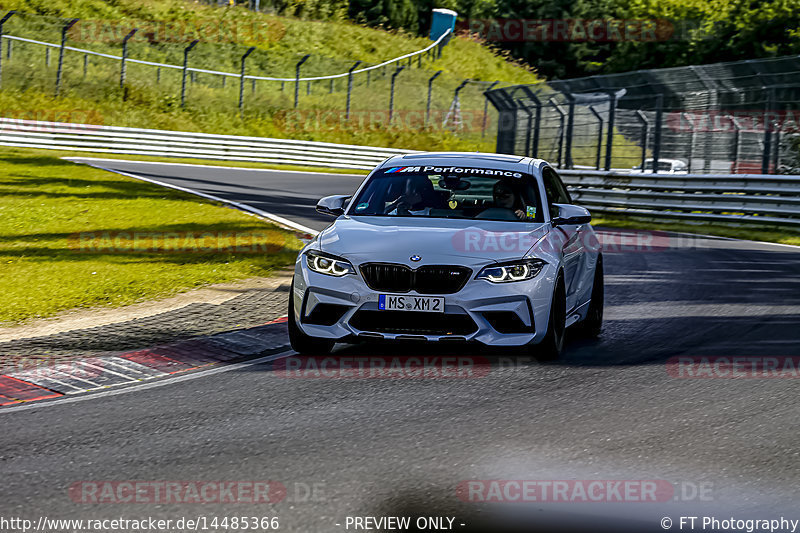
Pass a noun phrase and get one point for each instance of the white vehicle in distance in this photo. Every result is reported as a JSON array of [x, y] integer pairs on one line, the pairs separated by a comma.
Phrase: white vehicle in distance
[[665, 166], [445, 247]]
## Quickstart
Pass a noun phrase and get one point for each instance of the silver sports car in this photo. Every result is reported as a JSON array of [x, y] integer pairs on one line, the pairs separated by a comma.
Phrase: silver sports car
[[448, 247]]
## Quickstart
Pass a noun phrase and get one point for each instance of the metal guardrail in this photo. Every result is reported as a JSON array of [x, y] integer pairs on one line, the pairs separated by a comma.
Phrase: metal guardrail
[[163, 143], [727, 198]]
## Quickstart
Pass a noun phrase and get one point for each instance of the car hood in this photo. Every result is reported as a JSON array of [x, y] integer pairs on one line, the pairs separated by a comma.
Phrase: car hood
[[436, 241]]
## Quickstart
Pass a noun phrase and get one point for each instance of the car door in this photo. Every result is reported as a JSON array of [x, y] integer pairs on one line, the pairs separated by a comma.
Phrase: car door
[[568, 236]]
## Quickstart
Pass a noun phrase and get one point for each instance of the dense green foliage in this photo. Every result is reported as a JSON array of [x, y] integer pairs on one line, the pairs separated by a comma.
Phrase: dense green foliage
[[694, 31], [689, 31]]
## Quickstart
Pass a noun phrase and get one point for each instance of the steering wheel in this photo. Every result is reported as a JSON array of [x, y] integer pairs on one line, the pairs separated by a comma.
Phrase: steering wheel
[[402, 206]]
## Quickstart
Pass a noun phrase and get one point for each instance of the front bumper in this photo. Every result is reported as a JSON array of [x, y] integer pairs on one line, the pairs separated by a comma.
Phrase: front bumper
[[497, 314]]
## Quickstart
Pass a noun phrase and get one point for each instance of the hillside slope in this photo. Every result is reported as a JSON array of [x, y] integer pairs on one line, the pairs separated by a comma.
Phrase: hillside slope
[[167, 26]]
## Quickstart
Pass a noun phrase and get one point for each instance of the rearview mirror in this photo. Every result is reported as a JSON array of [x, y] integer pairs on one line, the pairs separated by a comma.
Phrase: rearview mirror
[[569, 214], [332, 205]]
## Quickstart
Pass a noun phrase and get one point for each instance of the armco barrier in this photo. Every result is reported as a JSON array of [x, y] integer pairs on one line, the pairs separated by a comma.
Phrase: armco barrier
[[734, 198], [162, 143]]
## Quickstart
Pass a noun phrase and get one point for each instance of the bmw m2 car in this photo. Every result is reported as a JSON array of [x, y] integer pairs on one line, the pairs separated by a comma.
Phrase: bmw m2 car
[[446, 247]]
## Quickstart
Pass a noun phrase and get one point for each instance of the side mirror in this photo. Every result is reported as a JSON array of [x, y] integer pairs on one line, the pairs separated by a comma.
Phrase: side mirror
[[332, 205], [569, 215]]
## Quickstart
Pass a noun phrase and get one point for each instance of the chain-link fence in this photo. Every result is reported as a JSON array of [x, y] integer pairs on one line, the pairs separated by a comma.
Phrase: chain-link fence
[[203, 69], [738, 117]]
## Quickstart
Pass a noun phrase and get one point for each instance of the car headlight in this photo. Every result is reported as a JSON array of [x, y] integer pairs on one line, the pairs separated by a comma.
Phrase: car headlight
[[512, 271], [328, 264]]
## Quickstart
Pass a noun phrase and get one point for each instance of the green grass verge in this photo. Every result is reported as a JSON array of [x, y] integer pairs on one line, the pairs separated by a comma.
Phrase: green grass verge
[[748, 232], [72, 236]]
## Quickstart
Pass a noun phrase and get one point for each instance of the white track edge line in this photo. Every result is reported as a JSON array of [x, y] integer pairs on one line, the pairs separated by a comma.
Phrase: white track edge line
[[223, 167], [244, 207]]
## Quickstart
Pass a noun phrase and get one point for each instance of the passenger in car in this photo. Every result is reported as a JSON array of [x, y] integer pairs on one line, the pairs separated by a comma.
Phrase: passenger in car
[[507, 205]]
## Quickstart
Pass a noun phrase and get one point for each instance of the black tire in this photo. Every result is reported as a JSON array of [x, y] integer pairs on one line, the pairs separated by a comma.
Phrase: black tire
[[552, 346], [302, 343], [592, 325]]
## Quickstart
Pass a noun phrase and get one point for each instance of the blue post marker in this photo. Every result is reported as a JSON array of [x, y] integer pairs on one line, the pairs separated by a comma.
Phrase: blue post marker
[[442, 20]]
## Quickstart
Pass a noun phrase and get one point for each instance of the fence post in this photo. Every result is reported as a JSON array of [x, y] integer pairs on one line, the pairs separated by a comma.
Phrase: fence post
[[456, 113], [47, 57], [297, 79], [645, 131], [8, 49], [528, 129], [486, 109], [391, 94], [124, 57], [86, 65], [369, 72], [736, 144], [769, 105], [330, 89], [506, 120], [241, 77], [350, 88], [64, 29], [570, 129], [776, 148], [3, 21], [657, 132], [430, 90], [600, 138], [561, 116], [691, 146], [185, 66], [612, 111], [537, 124]]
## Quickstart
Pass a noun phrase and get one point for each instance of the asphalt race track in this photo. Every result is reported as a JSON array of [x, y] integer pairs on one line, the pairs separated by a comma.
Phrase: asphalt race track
[[291, 195], [610, 410]]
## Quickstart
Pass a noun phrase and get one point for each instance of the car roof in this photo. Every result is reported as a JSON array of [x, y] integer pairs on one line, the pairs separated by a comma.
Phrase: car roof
[[465, 159]]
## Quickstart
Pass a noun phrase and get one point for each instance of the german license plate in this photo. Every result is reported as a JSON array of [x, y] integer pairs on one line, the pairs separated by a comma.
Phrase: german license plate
[[427, 304]]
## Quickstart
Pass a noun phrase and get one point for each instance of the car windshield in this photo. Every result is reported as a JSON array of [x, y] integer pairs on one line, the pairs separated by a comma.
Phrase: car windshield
[[450, 192]]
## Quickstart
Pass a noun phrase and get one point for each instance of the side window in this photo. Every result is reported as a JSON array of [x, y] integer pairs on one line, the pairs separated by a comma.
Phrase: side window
[[555, 190]]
